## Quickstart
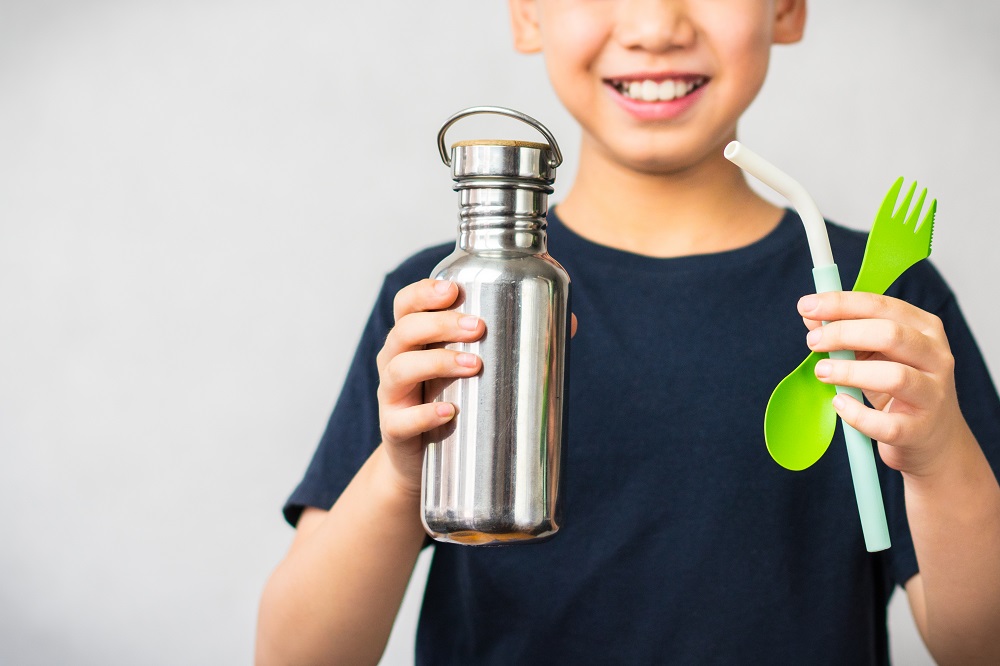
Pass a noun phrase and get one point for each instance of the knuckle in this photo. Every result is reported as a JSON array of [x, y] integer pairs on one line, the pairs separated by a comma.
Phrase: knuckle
[[406, 333], [391, 373], [398, 303], [446, 363], [899, 380], [936, 325], [879, 304], [948, 362], [832, 337], [445, 325], [386, 354], [408, 298], [382, 357], [400, 333], [891, 336], [391, 430], [850, 372], [842, 373], [426, 289], [893, 431]]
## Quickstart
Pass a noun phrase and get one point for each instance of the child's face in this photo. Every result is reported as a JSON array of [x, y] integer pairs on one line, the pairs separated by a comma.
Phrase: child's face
[[657, 85]]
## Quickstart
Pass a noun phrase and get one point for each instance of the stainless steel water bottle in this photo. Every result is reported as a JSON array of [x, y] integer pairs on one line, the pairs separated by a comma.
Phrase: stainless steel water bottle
[[492, 475]]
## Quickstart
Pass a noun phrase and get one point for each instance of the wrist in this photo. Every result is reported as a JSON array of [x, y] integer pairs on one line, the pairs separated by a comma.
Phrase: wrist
[[389, 486], [959, 463]]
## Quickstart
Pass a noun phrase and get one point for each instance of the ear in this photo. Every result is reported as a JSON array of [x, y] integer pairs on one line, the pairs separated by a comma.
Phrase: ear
[[789, 21], [524, 23]]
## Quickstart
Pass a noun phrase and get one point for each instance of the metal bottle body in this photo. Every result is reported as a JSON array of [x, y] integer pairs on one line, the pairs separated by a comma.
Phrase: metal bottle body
[[493, 474]]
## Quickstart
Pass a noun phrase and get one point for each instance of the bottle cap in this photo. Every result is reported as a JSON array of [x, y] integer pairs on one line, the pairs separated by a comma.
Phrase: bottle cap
[[524, 163]]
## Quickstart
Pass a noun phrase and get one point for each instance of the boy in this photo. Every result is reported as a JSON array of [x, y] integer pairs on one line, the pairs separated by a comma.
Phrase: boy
[[684, 542]]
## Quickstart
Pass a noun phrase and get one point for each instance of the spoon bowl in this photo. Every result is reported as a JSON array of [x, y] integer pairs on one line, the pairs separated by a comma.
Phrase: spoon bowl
[[800, 420]]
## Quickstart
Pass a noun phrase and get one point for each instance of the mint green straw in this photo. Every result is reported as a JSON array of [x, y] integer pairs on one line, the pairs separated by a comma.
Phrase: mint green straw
[[827, 278]]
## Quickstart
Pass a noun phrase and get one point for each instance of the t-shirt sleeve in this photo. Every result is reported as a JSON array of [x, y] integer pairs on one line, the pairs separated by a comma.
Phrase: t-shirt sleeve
[[352, 433], [977, 397]]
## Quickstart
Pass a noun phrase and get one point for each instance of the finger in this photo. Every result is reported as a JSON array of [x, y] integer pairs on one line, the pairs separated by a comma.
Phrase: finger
[[402, 424], [895, 341], [401, 374], [887, 427], [423, 296], [425, 328], [572, 325], [811, 323], [902, 382], [836, 305]]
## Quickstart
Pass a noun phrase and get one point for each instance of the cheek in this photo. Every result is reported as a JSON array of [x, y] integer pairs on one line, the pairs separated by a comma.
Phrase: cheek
[[745, 51], [573, 36], [570, 55]]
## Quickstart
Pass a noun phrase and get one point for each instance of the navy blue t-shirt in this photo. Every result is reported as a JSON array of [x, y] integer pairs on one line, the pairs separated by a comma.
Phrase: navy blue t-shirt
[[683, 541]]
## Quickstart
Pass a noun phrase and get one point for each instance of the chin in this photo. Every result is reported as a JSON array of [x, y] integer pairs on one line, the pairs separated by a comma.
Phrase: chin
[[665, 160], [661, 150]]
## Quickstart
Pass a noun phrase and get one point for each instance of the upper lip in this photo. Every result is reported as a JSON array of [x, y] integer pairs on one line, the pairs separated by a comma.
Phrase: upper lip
[[655, 76]]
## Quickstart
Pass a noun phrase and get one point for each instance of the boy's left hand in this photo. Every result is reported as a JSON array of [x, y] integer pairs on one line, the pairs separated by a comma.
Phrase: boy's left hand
[[905, 369]]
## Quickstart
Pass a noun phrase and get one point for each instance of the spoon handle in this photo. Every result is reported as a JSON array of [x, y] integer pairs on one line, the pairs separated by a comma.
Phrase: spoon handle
[[860, 453]]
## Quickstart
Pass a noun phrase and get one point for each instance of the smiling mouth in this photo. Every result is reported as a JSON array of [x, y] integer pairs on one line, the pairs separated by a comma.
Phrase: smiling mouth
[[664, 90]]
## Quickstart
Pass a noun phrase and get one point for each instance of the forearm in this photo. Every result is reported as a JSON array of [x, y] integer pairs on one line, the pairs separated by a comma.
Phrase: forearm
[[954, 517], [335, 596]]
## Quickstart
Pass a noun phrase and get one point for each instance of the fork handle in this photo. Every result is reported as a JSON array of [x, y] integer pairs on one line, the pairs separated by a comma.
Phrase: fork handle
[[860, 454]]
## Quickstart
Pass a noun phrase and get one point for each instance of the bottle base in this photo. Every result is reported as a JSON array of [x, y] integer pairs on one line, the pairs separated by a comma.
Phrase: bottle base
[[489, 533], [477, 538]]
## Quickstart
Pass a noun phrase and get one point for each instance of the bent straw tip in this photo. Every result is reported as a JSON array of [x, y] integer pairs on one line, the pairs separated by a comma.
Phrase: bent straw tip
[[732, 149]]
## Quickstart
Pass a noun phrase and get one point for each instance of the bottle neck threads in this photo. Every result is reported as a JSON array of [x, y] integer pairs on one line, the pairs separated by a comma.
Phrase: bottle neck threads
[[503, 189]]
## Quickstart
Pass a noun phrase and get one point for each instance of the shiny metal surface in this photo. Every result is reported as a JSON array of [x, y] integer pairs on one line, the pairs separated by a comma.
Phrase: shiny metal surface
[[492, 475]]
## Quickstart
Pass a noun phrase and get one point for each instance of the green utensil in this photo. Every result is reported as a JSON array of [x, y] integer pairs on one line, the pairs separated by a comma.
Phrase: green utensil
[[800, 420], [896, 242]]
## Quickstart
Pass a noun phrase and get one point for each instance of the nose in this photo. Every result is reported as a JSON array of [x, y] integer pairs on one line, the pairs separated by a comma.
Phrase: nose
[[654, 25]]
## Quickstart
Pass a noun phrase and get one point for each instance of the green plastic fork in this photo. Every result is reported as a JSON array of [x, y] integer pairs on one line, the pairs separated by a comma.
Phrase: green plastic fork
[[799, 422], [896, 242]]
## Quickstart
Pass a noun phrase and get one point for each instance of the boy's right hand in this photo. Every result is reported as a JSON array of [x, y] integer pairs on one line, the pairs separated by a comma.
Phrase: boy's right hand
[[405, 363]]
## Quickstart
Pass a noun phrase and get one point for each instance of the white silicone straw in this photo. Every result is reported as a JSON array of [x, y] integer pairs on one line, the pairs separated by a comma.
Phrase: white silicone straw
[[785, 185]]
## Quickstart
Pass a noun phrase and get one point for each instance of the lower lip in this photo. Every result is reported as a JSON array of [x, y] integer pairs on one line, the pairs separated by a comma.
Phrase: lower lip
[[666, 110]]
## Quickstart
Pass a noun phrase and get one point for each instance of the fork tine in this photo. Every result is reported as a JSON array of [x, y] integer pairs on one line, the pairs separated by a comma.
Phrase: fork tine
[[889, 202], [911, 221], [900, 214]]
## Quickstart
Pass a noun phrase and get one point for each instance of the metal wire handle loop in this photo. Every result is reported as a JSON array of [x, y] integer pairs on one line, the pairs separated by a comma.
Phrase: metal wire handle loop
[[554, 161]]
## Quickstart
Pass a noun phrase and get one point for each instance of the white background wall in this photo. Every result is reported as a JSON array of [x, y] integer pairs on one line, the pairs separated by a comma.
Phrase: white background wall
[[197, 203]]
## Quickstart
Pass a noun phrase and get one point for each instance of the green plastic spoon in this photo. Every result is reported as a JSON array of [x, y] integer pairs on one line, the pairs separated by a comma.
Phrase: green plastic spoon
[[800, 420]]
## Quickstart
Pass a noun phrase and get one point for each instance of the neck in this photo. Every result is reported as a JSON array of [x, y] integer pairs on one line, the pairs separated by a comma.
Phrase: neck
[[702, 209]]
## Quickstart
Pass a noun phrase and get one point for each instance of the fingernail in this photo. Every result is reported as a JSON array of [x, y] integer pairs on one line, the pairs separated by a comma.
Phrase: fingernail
[[442, 286], [808, 303], [839, 402], [444, 409], [469, 322], [814, 337], [823, 369], [468, 360]]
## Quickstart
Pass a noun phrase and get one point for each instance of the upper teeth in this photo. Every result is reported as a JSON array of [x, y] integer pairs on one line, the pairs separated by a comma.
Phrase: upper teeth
[[653, 91]]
